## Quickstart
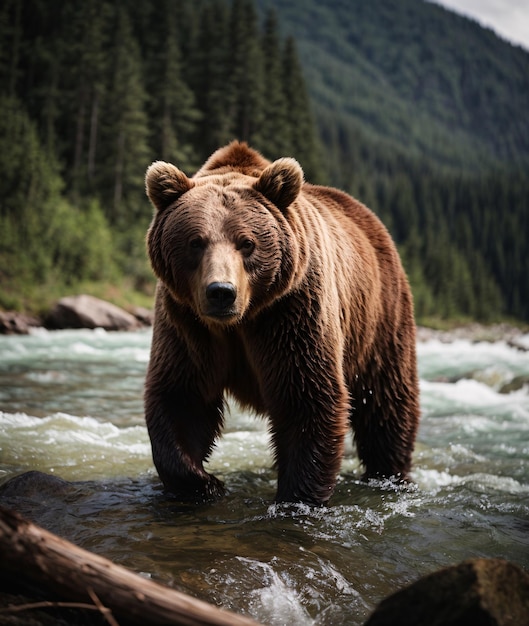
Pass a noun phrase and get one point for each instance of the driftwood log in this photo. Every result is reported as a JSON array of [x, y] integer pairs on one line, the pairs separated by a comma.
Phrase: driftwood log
[[78, 576]]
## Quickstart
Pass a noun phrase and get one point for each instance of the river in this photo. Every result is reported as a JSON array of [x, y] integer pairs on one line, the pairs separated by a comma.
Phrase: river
[[71, 406]]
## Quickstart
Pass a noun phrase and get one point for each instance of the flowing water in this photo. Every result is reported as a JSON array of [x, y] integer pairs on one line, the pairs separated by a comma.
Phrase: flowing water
[[71, 406]]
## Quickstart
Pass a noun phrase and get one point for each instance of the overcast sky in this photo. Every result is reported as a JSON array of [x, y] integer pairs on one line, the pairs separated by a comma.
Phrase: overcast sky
[[508, 18]]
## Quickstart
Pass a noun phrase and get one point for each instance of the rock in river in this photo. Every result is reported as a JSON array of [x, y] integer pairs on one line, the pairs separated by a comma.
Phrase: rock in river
[[488, 592]]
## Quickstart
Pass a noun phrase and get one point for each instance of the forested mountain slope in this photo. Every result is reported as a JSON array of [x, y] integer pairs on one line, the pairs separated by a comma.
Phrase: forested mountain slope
[[418, 112], [423, 116], [414, 76]]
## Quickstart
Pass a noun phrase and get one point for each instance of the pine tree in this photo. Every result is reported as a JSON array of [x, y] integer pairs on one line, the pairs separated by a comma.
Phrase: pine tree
[[126, 129], [87, 38], [302, 137], [245, 80], [38, 67], [10, 41], [275, 131], [210, 80], [403, 208], [172, 104]]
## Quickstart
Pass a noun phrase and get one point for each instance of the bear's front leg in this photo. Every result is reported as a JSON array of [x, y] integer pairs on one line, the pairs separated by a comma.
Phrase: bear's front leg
[[308, 453], [309, 417], [307, 475], [182, 429], [299, 364]]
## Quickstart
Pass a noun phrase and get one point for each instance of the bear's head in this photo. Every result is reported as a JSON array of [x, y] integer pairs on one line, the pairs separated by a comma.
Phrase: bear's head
[[222, 242]]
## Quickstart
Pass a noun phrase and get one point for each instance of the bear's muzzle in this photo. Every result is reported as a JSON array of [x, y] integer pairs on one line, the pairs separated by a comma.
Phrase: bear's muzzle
[[220, 298]]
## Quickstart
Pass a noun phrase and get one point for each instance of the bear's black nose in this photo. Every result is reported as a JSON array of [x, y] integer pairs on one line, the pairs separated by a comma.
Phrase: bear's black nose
[[221, 295]]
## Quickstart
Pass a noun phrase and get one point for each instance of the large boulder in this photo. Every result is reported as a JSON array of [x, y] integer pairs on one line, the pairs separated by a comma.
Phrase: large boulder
[[13, 323], [85, 311], [484, 592]]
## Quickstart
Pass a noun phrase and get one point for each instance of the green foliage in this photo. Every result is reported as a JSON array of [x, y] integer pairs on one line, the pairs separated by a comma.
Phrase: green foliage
[[28, 187], [209, 79], [79, 244], [106, 89], [245, 78], [43, 238], [249, 85]]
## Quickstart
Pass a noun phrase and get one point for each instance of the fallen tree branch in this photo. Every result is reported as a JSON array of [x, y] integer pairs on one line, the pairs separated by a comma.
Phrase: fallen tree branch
[[105, 612], [61, 567], [48, 604], [12, 609]]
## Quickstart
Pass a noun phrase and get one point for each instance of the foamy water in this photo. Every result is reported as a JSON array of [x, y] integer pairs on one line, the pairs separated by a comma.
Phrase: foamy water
[[71, 406]]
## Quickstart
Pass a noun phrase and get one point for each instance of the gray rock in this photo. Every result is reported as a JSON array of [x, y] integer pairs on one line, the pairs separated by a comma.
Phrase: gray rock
[[34, 484], [13, 323], [85, 311]]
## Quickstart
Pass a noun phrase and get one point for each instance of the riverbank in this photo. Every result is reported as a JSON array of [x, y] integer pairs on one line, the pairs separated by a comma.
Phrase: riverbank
[[86, 311], [474, 332], [80, 311]]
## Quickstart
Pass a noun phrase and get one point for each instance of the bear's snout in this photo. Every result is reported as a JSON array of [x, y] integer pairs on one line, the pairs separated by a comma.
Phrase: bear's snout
[[220, 297]]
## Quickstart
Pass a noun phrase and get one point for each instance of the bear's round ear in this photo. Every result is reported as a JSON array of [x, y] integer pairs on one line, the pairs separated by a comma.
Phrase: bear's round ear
[[281, 182], [165, 183]]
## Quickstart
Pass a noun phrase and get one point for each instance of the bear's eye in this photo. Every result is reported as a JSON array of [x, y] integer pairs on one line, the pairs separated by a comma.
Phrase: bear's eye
[[197, 243], [247, 246]]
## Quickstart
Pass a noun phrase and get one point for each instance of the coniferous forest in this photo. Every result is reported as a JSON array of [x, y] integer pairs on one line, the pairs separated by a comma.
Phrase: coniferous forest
[[92, 91]]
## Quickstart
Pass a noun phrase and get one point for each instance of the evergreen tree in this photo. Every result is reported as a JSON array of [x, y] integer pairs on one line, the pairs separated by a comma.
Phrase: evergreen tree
[[126, 129], [302, 137], [403, 207], [245, 79], [10, 42], [87, 41], [210, 79], [275, 131], [172, 106], [412, 256], [37, 69]]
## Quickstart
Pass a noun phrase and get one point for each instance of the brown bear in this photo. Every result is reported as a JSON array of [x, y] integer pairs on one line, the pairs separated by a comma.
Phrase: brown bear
[[290, 297]]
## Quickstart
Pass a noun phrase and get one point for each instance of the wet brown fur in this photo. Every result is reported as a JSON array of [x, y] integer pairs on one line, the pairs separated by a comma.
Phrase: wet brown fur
[[320, 336]]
